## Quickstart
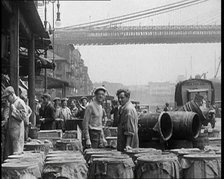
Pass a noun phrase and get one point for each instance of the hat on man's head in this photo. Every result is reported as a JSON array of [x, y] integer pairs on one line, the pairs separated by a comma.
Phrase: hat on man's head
[[64, 99], [9, 90], [56, 98], [100, 88], [83, 97], [46, 95]]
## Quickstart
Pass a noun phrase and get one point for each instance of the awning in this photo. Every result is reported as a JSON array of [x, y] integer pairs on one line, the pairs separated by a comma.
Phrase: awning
[[51, 82]]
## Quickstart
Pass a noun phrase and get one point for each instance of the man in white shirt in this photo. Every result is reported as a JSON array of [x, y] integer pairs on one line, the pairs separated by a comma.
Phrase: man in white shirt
[[65, 113]]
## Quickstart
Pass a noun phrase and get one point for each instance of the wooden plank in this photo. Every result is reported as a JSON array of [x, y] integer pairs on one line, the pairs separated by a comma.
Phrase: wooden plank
[[31, 79], [14, 50]]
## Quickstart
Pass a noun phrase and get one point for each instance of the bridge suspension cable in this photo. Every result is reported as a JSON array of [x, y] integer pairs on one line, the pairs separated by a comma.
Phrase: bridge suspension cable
[[112, 18], [133, 16], [158, 13]]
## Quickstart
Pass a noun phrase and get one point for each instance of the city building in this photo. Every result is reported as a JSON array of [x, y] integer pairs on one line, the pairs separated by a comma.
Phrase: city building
[[70, 66]]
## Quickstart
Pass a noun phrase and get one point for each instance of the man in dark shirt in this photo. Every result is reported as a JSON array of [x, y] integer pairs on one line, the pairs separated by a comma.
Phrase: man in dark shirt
[[82, 108], [115, 112], [47, 114]]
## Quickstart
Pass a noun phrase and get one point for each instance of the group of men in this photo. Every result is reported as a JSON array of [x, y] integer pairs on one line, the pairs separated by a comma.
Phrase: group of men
[[52, 116], [127, 122]]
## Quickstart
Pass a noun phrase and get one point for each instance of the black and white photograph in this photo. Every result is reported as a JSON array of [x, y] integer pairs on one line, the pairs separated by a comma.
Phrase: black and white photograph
[[111, 89]]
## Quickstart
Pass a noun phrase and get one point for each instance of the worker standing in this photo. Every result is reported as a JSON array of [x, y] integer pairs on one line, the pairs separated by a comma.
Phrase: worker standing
[[47, 113], [65, 113], [57, 108], [92, 123], [127, 136], [82, 108], [15, 128]]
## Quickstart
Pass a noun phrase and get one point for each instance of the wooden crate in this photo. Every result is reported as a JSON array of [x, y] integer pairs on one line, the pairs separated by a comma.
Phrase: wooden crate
[[49, 134]]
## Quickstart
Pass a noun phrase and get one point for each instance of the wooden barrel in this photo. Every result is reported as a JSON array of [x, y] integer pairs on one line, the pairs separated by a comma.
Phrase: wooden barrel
[[157, 166], [65, 164], [186, 125], [157, 125], [138, 152], [26, 166], [202, 166], [111, 167], [89, 152], [69, 144], [201, 141], [20, 170], [180, 154], [178, 144], [191, 106]]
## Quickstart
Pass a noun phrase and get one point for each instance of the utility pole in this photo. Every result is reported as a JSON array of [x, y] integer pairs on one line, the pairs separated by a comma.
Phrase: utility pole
[[45, 51]]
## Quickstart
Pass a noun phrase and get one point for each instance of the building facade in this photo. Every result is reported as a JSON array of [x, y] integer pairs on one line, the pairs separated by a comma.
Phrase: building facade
[[71, 67]]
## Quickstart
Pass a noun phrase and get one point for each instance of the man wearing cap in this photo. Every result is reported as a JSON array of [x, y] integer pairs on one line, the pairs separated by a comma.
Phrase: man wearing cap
[[15, 129], [73, 108], [82, 108], [92, 123], [57, 108], [47, 114], [127, 136], [65, 113]]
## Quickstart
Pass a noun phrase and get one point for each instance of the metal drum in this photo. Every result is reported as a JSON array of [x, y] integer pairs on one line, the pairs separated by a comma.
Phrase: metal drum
[[65, 164], [157, 166], [111, 167], [202, 166]]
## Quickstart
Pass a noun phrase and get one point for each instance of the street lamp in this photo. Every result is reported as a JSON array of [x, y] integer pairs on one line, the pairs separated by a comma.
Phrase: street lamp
[[58, 20]]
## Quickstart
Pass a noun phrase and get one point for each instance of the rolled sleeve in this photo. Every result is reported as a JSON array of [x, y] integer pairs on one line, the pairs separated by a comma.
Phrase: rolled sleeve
[[129, 128], [86, 120]]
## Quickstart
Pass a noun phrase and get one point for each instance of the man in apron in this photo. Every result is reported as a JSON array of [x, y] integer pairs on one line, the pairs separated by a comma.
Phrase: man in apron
[[15, 126]]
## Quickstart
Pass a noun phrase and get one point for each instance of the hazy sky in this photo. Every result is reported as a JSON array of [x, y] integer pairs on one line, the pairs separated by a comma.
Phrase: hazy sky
[[138, 64]]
